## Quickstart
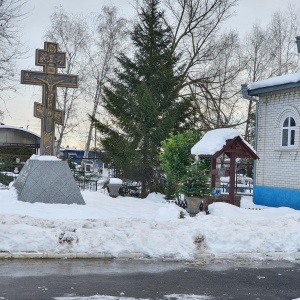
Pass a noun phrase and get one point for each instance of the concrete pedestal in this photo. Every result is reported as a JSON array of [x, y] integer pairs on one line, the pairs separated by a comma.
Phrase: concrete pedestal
[[114, 189], [47, 182]]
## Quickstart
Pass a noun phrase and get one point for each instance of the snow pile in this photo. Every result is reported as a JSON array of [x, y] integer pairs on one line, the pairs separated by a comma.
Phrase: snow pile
[[260, 231], [149, 226]]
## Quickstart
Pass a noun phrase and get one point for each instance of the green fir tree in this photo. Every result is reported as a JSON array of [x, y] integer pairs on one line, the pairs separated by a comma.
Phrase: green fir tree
[[143, 100]]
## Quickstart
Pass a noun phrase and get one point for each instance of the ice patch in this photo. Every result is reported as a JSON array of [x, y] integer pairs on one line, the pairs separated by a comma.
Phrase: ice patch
[[166, 297]]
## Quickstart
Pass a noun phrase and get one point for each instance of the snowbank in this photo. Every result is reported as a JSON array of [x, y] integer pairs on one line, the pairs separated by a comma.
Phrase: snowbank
[[149, 226]]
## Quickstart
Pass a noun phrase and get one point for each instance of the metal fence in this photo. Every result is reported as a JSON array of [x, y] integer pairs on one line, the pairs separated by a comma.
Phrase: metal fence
[[88, 181]]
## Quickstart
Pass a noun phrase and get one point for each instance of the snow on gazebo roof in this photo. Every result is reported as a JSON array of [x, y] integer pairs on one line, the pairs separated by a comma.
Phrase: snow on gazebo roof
[[215, 140]]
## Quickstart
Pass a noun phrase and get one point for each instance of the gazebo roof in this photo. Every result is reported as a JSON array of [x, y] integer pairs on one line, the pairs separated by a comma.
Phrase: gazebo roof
[[223, 140]]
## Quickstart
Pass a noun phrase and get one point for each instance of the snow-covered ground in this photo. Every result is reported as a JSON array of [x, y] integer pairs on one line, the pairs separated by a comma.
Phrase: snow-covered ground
[[151, 228]]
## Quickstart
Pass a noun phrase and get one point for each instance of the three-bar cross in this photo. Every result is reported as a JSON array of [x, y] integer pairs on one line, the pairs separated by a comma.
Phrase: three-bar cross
[[50, 59]]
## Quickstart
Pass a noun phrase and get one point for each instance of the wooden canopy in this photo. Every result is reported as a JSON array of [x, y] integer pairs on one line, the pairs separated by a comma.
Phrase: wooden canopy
[[234, 148]]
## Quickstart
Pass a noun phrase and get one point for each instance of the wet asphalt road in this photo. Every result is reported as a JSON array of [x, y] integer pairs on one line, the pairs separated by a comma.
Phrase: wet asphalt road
[[46, 279]]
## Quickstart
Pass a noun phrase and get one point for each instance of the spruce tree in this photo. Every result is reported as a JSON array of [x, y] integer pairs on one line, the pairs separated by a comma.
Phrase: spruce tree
[[144, 99]]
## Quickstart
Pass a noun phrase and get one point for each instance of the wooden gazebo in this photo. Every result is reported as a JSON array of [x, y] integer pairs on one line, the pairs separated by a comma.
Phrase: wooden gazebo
[[224, 141]]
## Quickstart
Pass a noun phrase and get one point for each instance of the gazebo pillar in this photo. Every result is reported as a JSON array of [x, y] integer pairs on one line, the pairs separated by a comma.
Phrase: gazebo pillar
[[232, 177], [213, 174]]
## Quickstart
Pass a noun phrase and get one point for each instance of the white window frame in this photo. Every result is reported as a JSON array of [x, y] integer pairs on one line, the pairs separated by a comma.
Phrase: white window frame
[[291, 133]]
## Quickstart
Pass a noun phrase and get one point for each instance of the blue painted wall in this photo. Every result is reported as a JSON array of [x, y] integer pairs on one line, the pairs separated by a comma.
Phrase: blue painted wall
[[276, 197]]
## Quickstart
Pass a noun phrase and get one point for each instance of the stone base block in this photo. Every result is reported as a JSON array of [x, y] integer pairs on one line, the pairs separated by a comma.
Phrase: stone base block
[[47, 181]]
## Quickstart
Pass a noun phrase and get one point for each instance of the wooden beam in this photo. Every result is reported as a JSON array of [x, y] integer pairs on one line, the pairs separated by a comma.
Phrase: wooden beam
[[232, 177], [213, 175]]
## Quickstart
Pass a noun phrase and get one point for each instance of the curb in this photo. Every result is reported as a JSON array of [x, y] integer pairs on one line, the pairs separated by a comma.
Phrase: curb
[[77, 255], [198, 257]]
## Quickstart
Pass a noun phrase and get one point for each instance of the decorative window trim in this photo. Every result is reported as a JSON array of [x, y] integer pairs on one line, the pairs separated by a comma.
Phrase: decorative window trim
[[288, 132], [288, 111], [292, 112]]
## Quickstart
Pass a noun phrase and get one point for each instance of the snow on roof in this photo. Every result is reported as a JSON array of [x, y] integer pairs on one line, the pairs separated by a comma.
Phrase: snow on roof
[[69, 149], [214, 141], [19, 128], [278, 80]]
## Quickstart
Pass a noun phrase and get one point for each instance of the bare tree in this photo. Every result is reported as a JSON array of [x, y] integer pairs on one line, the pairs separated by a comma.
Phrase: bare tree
[[282, 30], [270, 51], [71, 33], [217, 95], [196, 23], [259, 62], [107, 38], [90, 43], [256, 52], [211, 62], [11, 12]]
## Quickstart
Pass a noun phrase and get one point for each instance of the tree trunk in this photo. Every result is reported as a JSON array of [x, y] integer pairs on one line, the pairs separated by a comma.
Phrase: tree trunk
[[93, 115]]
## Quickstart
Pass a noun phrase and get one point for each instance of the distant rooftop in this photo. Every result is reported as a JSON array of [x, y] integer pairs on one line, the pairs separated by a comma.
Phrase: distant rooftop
[[2, 126]]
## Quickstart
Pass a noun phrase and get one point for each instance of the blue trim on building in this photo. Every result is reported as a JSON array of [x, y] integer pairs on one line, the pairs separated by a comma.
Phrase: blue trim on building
[[276, 197]]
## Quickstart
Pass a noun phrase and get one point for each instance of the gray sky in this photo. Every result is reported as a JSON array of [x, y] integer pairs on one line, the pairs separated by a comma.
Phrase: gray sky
[[20, 106]]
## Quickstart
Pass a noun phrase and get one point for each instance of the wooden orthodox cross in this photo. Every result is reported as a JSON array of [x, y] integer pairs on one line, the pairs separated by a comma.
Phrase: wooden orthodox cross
[[50, 59]]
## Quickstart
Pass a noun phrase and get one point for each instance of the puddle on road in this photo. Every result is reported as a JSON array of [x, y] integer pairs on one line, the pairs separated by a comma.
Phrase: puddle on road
[[167, 297], [26, 268]]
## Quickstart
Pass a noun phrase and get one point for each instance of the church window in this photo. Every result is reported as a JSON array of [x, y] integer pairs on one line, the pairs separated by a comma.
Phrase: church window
[[288, 132]]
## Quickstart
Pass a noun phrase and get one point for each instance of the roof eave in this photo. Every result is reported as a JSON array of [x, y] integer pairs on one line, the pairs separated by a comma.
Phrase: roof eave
[[273, 88]]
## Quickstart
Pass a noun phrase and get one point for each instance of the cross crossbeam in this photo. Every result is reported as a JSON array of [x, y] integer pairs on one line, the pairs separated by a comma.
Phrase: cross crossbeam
[[50, 59]]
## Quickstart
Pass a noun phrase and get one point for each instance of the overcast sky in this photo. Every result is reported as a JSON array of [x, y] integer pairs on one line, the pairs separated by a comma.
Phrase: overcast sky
[[36, 22]]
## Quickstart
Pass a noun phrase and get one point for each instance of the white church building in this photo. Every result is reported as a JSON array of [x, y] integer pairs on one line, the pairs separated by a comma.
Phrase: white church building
[[277, 172]]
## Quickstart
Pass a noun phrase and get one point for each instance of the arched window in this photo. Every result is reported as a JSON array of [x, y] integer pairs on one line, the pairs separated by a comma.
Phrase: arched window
[[288, 132]]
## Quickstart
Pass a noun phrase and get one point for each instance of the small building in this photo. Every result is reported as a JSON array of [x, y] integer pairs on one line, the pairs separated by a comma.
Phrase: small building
[[18, 137], [16, 146], [277, 178]]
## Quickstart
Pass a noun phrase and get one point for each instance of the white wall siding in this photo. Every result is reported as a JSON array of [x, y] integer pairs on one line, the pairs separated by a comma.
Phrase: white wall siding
[[278, 166]]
